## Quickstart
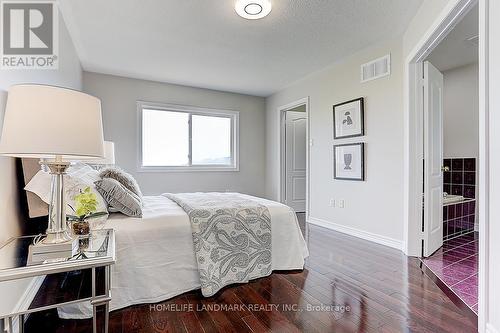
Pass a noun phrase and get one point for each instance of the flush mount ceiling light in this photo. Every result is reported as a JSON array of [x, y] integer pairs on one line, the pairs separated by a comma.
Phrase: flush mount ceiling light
[[253, 9]]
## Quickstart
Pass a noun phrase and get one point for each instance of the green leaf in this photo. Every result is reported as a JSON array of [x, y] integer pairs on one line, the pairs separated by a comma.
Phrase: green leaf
[[96, 215]]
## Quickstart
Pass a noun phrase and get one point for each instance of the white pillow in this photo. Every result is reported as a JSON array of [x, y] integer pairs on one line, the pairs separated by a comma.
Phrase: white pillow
[[78, 177], [83, 172]]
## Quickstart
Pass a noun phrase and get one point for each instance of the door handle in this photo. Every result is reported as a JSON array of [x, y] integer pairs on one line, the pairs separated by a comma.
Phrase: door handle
[[445, 168]]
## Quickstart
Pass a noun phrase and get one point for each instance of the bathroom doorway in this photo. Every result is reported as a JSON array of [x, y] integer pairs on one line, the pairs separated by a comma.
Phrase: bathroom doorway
[[450, 244]]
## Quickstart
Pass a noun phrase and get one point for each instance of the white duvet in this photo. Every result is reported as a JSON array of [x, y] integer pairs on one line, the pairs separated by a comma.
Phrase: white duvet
[[155, 260]]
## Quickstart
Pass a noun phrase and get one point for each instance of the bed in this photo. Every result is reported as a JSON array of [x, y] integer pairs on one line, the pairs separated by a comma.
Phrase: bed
[[155, 260], [158, 254]]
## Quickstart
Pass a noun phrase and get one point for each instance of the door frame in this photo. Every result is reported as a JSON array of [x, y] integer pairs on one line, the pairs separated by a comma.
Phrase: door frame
[[282, 149], [452, 13]]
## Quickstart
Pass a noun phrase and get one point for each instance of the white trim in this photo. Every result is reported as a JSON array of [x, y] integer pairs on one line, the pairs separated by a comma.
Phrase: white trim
[[25, 300], [369, 236], [484, 167], [451, 15], [413, 171], [198, 168], [235, 143], [281, 152], [491, 329]]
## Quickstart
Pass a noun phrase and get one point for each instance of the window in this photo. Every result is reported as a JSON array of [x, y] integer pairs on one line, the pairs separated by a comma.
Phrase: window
[[184, 138]]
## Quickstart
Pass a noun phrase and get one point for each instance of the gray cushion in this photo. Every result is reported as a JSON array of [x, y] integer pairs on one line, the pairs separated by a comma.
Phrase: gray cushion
[[119, 197], [124, 178]]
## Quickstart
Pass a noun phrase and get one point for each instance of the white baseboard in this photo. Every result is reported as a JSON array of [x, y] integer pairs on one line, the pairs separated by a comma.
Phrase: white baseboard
[[25, 300], [379, 239], [491, 329]]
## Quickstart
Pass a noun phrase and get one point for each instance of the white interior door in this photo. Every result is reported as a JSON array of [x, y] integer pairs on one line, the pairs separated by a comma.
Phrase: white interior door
[[433, 159], [295, 142]]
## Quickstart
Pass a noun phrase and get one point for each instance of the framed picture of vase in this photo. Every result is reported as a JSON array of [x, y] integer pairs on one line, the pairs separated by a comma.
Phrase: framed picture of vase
[[349, 161], [348, 119]]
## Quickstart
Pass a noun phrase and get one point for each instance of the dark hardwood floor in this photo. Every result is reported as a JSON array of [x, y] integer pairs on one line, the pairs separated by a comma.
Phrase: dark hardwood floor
[[348, 285]]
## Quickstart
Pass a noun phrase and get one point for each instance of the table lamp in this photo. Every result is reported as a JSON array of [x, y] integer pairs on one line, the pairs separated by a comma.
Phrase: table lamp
[[56, 125], [109, 156]]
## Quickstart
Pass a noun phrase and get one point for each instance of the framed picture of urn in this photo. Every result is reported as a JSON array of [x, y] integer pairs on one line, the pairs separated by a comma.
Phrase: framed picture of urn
[[348, 119], [349, 161]]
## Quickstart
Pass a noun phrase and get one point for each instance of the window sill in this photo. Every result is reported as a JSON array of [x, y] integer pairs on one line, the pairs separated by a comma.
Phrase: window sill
[[229, 168]]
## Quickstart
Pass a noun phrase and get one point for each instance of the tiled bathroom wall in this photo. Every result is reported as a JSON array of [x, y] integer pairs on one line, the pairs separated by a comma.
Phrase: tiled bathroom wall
[[459, 218], [461, 179]]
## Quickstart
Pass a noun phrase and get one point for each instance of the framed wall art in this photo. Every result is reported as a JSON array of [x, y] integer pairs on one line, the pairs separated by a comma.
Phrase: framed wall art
[[349, 161], [348, 119]]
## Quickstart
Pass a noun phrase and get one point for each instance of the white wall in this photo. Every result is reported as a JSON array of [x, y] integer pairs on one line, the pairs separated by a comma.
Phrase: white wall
[[382, 192], [419, 26], [461, 112], [119, 96], [68, 75], [384, 138], [493, 187]]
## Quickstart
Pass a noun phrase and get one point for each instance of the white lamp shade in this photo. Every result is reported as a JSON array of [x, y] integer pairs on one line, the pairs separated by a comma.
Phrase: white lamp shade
[[46, 121], [109, 155]]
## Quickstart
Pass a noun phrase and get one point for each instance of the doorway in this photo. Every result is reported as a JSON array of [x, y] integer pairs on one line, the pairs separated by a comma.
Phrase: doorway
[[450, 112], [294, 155], [295, 158]]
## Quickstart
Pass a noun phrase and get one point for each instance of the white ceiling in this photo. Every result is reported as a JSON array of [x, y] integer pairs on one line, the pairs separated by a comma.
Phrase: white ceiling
[[455, 50], [204, 43]]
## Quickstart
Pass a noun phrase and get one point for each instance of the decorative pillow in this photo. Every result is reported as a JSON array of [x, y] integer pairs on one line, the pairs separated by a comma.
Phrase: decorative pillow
[[36, 207], [126, 179], [119, 197], [76, 180], [83, 172]]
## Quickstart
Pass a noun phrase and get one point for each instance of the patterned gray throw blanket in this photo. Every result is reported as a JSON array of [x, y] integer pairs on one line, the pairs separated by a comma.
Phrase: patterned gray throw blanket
[[231, 235]]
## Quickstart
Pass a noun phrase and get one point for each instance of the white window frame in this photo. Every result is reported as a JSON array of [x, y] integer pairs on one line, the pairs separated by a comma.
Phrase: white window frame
[[192, 110]]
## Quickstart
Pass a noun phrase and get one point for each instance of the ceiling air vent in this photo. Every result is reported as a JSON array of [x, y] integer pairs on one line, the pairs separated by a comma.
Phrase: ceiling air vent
[[376, 69]]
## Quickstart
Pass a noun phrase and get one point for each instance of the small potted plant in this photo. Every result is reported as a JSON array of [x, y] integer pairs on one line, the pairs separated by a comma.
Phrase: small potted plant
[[85, 210]]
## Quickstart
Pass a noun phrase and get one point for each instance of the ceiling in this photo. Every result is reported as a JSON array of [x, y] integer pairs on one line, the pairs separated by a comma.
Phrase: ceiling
[[456, 50], [204, 43]]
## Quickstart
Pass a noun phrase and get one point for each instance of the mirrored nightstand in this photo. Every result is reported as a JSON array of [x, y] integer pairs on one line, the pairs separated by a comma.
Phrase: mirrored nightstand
[[98, 251]]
